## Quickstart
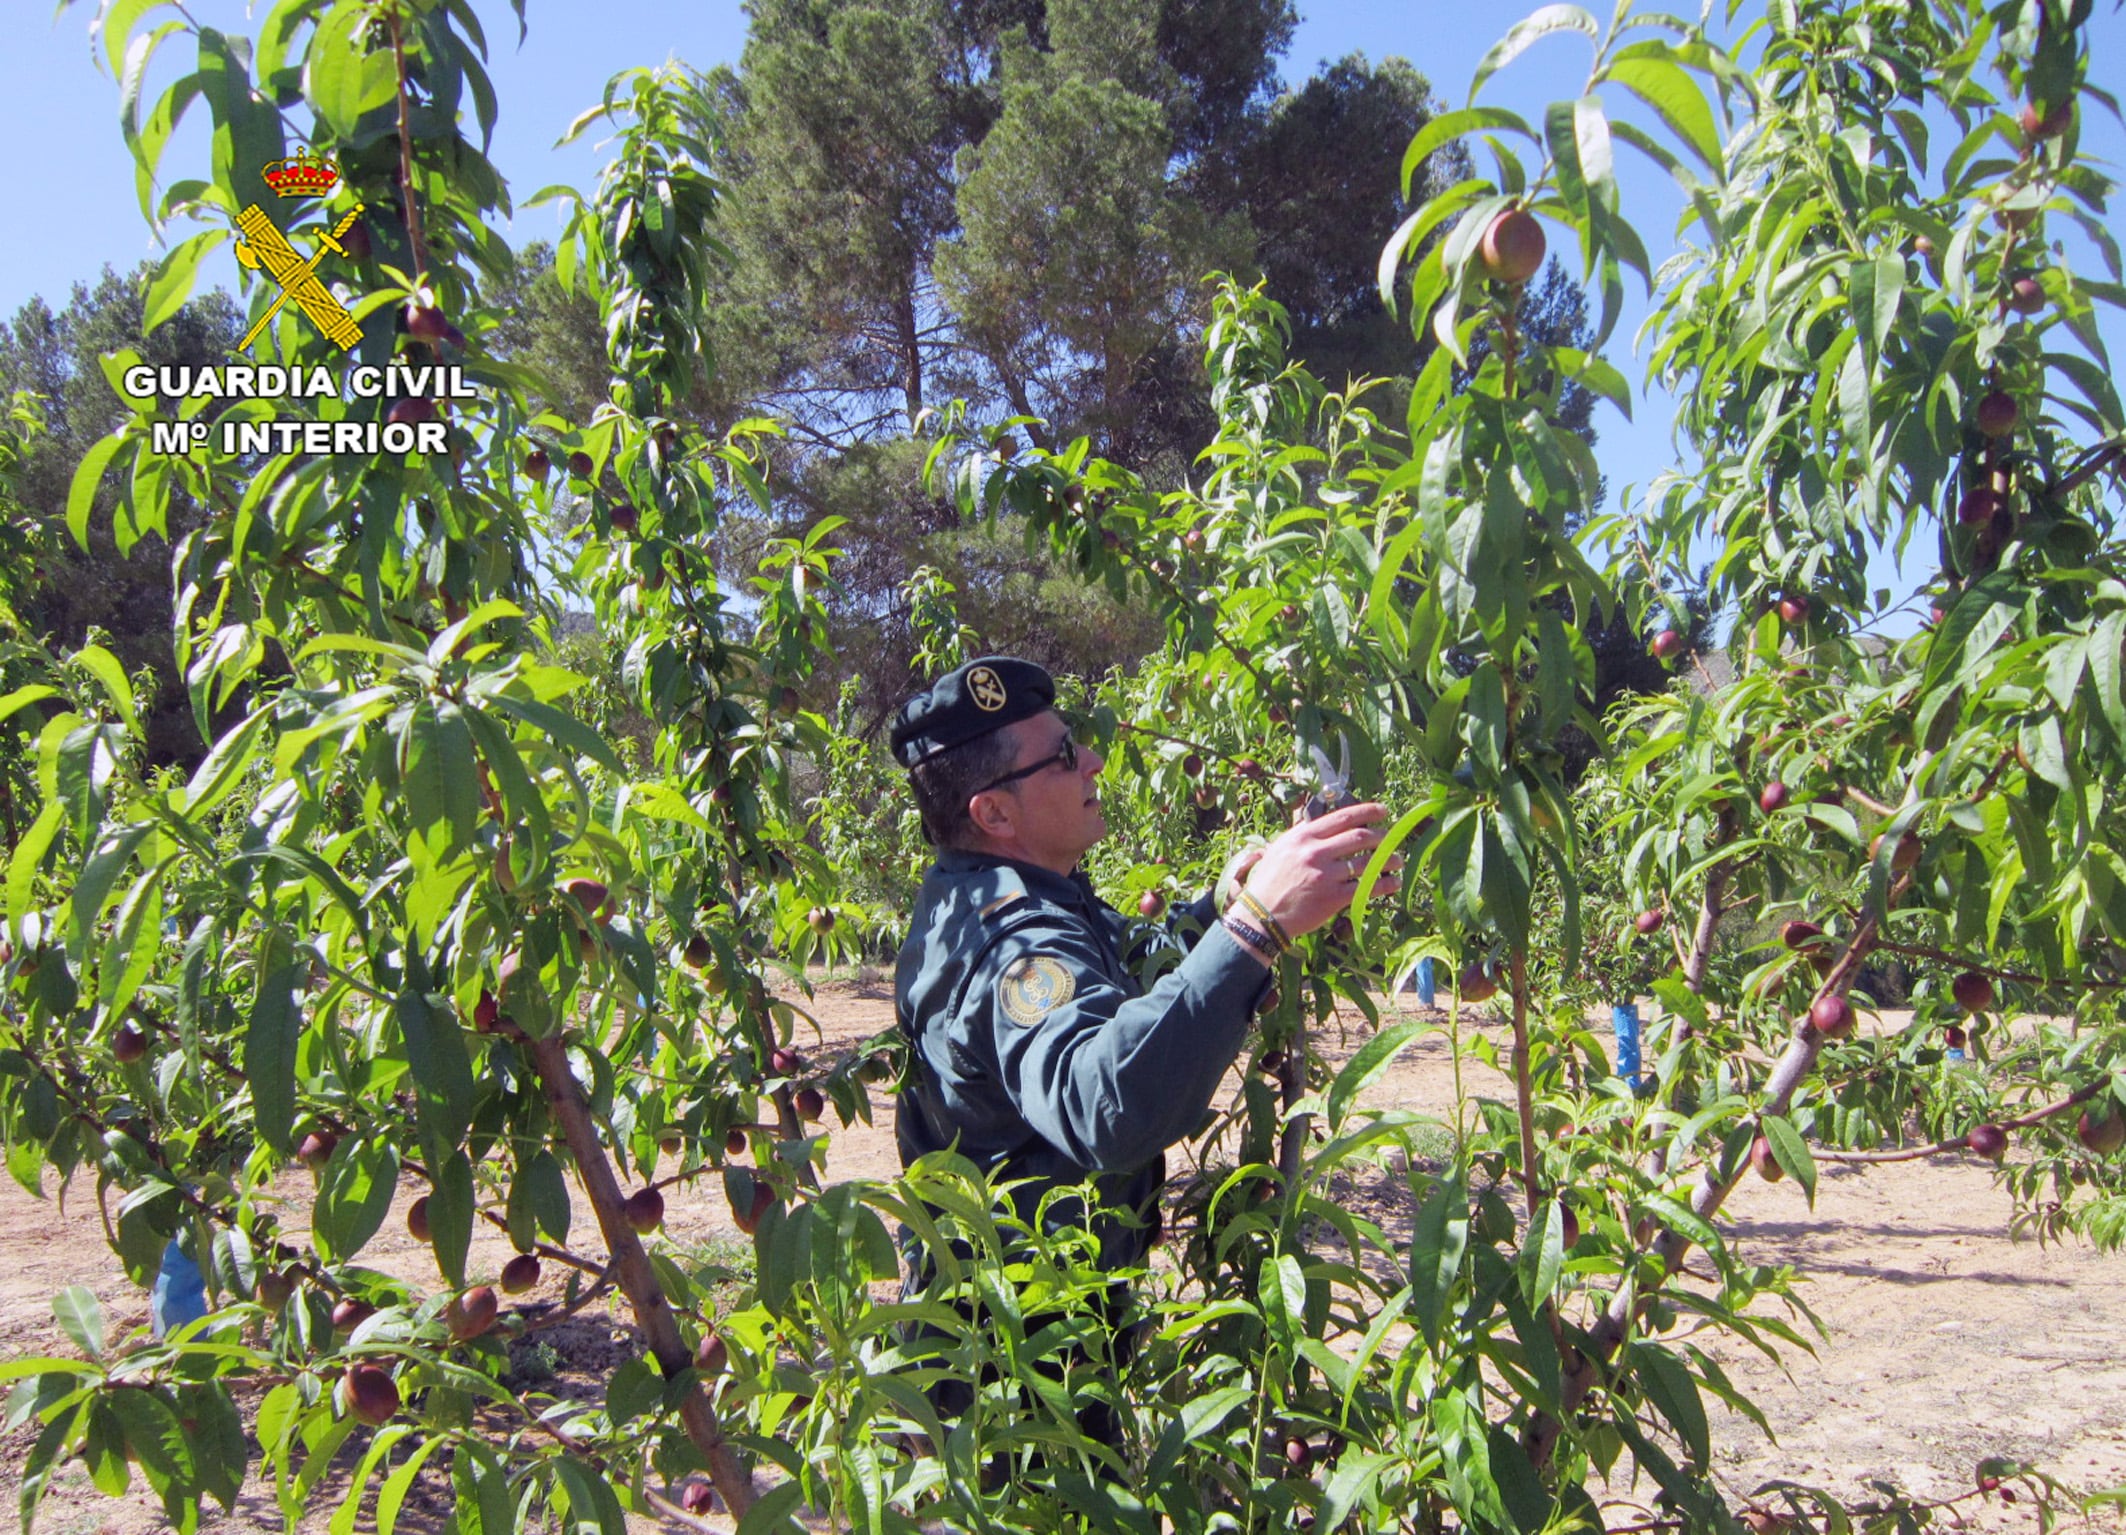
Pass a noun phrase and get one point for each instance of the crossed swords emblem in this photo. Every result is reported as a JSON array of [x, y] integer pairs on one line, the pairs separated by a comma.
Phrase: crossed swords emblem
[[265, 247]]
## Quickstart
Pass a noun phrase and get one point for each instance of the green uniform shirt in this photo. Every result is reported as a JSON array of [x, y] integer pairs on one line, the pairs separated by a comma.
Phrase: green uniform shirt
[[1036, 1052]]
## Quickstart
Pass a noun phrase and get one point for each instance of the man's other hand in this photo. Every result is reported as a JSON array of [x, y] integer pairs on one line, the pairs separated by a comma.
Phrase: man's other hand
[[1309, 873]]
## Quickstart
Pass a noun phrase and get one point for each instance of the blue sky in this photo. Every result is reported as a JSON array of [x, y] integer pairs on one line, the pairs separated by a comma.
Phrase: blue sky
[[79, 180]]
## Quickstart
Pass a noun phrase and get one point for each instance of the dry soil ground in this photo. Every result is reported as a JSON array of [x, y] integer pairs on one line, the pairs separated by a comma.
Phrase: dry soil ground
[[1949, 1341]]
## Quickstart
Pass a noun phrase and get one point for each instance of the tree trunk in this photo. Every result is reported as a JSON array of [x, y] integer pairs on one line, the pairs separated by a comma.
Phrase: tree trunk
[[631, 1266], [1523, 1084], [1787, 1074], [1292, 1086], [911, 351], [1021, 404], [1710, 910]]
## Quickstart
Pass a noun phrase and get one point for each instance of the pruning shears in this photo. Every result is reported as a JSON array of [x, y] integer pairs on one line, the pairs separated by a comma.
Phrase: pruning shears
[[1333, 790]]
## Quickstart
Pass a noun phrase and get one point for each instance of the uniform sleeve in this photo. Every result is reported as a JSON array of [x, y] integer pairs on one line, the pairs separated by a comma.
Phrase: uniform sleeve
[[1110, 1079]]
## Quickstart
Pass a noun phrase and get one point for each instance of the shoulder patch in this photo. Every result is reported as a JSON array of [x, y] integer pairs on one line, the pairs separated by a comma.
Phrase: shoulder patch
[[1033, 987], [1002, 903]]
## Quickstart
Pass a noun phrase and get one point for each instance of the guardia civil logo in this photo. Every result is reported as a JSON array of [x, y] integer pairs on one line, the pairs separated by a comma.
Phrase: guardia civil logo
[[264, 248]]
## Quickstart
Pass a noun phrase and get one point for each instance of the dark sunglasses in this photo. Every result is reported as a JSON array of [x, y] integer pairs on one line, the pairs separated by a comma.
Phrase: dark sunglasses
[[1065, 757]]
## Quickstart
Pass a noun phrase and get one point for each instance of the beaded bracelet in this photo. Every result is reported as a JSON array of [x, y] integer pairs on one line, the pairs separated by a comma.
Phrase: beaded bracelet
[[1270, 923], [1252, 937]]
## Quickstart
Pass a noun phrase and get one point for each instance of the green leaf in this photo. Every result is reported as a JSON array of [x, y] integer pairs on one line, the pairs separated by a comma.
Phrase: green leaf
[[148, 139], [1670, 1387], [772, 1514], [2106, 647], [1525, 34], [485, 1506], [269, 1054], [354, 1195], [546, 1194], [357, 1485], [520, 796], [115, 25], [345, 79], [440, 778], [461, 775], [215, 1432], [221, 769], [1350, 1485], [1791, 1152], [174, 278], [1198, 1416], [22, 697], [1373, 1057], [361, 645], [2094, 383], [1595, 160], [444, 645], [104, 667], [44, 1456], [1669, 90], [28, 856], [135, 943], [1438, 1240], [1284, 1298], [80, 1317], [1447, 127], [633, 1390], [1853, 402], [561, 727], [592, 1508], [1542, 1255], [1517, 1482], [391, 1497], [99, 877], [342, 717], [1875, 287], [451, 1212], [441, 1070], [784, 1247], [88, 479], [1465, 1457], [153, 1433], [307, 864]]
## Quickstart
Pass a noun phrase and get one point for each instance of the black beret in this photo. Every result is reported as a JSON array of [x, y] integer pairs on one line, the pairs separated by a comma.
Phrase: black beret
[[986, 694]]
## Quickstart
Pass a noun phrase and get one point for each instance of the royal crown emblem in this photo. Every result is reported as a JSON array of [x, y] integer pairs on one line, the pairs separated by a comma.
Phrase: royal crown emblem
[[302, 174]]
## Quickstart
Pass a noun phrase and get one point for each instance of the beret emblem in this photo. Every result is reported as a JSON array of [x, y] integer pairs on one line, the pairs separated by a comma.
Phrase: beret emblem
[[986, 688]]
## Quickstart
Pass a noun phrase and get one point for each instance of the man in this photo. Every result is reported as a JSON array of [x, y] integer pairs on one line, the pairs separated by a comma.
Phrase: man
[[1034, 1050]]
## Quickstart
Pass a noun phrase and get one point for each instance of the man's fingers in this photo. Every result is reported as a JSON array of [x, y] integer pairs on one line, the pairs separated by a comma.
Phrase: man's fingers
[[1362, 814], [1359, 842]]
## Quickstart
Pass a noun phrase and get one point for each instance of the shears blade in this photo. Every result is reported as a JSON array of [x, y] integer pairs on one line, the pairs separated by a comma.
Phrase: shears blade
[[1334, 791]]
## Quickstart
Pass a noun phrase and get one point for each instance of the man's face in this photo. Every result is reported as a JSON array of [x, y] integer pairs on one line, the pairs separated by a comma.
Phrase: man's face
[[1055, 810]]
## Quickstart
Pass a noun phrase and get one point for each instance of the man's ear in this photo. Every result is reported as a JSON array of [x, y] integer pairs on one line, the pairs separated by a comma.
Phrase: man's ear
[[990, 814]]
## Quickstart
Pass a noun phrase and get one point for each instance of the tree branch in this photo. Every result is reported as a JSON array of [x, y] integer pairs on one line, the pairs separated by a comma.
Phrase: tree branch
[[2082, 473], [412, 203], [1926, 951], [2075, 1099]]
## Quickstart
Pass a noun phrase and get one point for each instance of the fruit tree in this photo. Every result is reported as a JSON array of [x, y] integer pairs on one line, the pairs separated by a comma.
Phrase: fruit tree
[[416, 918]]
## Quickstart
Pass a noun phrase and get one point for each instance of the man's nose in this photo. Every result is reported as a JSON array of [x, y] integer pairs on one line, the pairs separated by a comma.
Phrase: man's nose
[[1090, 761]]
